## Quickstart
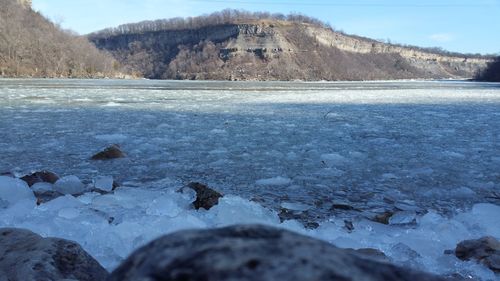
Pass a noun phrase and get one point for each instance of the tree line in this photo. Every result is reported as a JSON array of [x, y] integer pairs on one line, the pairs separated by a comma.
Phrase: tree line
[[228, 16]]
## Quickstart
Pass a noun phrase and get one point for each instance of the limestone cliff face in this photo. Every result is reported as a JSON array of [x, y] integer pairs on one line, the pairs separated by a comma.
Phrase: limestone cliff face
[[357, 45], [277, 50]]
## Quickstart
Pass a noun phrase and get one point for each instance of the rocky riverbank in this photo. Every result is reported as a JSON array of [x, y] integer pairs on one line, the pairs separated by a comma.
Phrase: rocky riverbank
[[250, 252], [112, 221]]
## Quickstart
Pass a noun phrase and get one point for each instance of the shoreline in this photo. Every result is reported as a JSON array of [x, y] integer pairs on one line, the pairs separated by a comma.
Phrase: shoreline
[[140, 215]]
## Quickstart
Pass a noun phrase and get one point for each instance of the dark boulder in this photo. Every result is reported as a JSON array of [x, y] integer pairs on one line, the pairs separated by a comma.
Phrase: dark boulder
[[206, 197], [253, 253], [27, 256], [111, 152], [485, 250], [41, 176], [342, 206], [7, 174]]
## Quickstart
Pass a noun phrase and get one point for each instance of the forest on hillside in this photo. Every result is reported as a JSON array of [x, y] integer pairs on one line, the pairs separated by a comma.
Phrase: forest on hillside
[[227, 16], [32, 46]]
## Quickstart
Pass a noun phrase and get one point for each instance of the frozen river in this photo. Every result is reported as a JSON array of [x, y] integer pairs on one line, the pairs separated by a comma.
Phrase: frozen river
[[321, 150]]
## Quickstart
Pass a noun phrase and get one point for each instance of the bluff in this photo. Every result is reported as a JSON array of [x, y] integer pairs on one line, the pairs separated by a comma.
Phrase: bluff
[[32, 46], [234, 46], [491, 73]]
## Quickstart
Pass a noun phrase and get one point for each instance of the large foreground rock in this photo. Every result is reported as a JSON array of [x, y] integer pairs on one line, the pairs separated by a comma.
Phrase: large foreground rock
[[25, 255], [485, 250], [253, 253]]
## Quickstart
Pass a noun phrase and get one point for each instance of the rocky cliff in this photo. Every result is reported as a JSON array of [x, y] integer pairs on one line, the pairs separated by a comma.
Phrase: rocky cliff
[[277, 50], [491, 73]]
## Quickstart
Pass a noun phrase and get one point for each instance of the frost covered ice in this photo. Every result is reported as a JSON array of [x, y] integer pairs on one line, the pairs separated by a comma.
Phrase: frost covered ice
[[111, 226], [69, 185], [104, 183], [13, 191], [429, 150]]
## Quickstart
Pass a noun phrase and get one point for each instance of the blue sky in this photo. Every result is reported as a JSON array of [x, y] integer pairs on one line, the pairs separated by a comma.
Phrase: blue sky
[[456, 25]]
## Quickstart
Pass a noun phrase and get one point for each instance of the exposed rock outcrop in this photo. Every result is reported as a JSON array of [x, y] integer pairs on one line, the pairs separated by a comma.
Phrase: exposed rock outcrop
[[27, 256], [253, 253]]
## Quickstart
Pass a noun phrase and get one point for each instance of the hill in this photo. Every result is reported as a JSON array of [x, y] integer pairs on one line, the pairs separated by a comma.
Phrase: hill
[[32, 46], [236, 45]]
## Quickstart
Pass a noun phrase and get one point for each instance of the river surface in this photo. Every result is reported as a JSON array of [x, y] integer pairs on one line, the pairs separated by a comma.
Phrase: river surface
[[432, 144], [311, 151]]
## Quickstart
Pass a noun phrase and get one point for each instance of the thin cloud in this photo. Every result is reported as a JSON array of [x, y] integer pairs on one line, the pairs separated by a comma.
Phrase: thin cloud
[[442, 37]]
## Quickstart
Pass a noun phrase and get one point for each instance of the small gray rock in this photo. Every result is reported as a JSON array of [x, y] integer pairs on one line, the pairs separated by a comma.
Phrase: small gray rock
[[112, 152], [253, 252], [206, 197], [25, 255], [382, 218]]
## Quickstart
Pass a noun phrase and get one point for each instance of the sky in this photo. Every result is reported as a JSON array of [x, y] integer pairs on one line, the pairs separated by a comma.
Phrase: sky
[[467, 26]]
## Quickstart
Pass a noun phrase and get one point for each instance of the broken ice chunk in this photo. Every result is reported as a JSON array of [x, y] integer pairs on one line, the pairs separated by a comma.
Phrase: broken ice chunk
[[104, 183], [42, 187], [69, 185], [13, 190], [404, 217]]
